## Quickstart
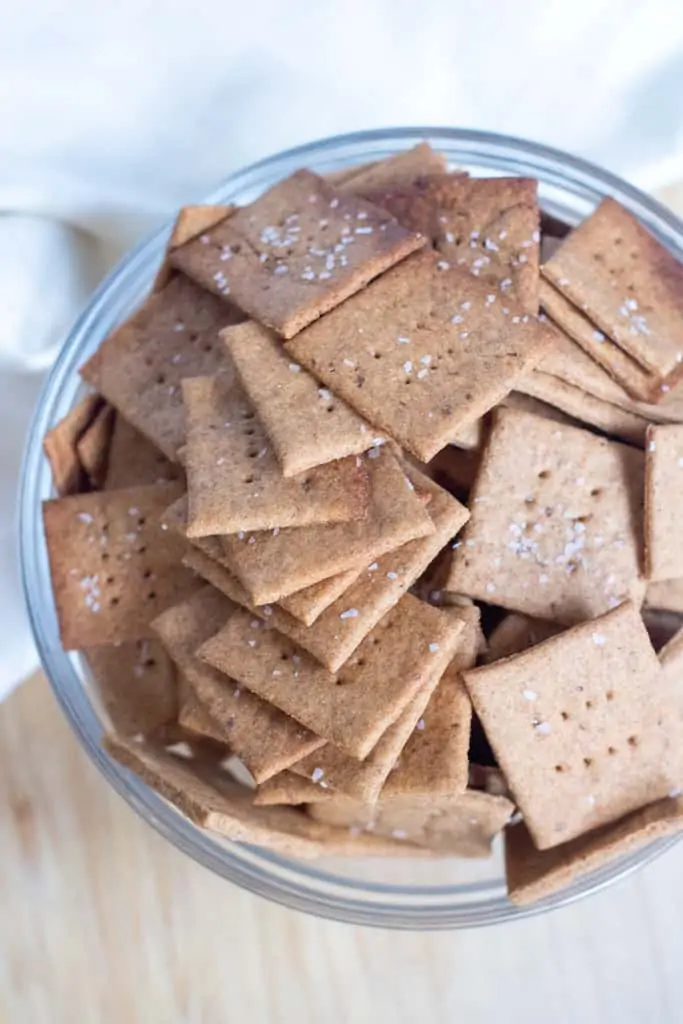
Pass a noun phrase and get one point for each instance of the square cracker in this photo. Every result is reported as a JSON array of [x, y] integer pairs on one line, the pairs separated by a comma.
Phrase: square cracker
[[581, 726], [135, 461], [435, 758], [488, 225], [306, 425], [296, 252], [422, 351], [213, 800], [93, 445], [400, 169], [568, 361], [353, 709], [627, 283], [664, 502], [264, 738], [113, 568], [281, 562], [666, 595], [308, 604], [516, 633], [331, 767], [140, 366], [60, 446], [533, 874], [585, 408], [234, 482], [556, 521], [137, 685], [634, 378], [336, 634], [463, 824]]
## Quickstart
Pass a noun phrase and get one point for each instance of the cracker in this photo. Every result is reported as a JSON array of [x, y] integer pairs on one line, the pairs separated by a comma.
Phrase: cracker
[[194, 717], [335, 635], [234, 482], [435, 758], [400, 169], [463, 824], [137, 685], [140, 366], [671, 660], [462, 356], [585, 407], [665, 594], [296, 252], [351, 710], [627, 283], [344, 174], [190, 222], [275, 564], [533, 874], [567, 360], [308, 604], [113, 568], [331, 767], [134, 461], [470, 436], [60, 446], [290, 789], [581, 726], [305, 424], [488, 225], [516, 633], [92, 446], [214, 801], [664, 502], [637, 381], [556, 521], [264, 738]]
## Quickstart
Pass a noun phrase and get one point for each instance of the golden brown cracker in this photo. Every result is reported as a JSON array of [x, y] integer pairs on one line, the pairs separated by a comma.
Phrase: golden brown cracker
[[93, 445], [60, 446], [137, 685], [400, 169], [516, 633], [664, 502], [134, 461], [190, 222]]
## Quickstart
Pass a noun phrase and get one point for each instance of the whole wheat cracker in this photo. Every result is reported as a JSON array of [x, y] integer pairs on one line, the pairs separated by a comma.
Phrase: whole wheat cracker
[[60, 446], [296, 252], [400, 169], [568, 361], [627, 282], [190, 222], [133, 460], [113, 568], [280, 562], [234, 482], [264, 738], [334, 636], [556, 524], [470, 436], [581, 726], [422, 351], [435, 758], [635, 379], [516, 633], [140, 365], [289, 789], [666, 595], [92, 447], [671, 660], [306, 426], [533, 874], [664, 502], [341, 175], [585, 407], [331, 767], [214, 801], [352, 710], [308, 604], [137, 685], [463, 824], [488, 225]]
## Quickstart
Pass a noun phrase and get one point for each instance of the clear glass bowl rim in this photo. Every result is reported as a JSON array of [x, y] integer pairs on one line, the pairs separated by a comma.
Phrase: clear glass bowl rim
[[298, 885]]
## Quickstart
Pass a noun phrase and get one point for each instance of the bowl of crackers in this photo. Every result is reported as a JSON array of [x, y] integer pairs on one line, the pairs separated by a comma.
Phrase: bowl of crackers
[[351, 525]]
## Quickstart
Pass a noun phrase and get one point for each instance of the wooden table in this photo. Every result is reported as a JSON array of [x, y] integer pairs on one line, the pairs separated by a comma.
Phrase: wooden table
[[105, 923]]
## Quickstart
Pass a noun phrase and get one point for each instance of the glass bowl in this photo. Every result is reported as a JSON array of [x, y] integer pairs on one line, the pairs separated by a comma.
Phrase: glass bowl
[[400, 893]]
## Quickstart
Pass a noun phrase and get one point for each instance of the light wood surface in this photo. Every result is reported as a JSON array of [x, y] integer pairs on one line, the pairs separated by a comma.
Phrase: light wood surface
[[102, 922]]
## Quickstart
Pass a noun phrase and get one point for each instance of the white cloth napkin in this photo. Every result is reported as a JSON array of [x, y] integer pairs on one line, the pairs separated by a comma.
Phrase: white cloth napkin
[[112, 115]]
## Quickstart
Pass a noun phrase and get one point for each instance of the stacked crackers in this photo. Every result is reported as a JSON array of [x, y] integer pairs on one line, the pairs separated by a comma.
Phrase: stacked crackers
[[338, 439]]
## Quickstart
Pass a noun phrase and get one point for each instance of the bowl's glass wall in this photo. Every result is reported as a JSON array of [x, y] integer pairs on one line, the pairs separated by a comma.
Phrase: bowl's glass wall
[[441, 893]]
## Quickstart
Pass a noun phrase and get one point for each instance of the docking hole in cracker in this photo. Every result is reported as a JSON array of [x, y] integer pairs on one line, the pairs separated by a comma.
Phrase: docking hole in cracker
[[355, 541]]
